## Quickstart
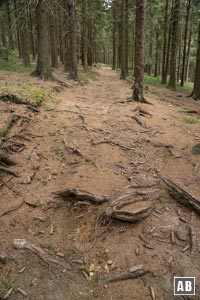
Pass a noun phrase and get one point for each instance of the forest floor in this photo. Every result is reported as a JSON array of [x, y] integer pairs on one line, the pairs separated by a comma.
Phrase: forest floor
[[63, 145]]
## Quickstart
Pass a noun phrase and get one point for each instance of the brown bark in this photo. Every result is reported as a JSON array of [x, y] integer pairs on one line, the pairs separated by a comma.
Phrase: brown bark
[[114, 34], [53, 40], [174, 45], [43, 68], [72, 39], [24, 34], [139, 51], [164, 58], [185, 42], [123, 41], [196, 89], [84, 34]]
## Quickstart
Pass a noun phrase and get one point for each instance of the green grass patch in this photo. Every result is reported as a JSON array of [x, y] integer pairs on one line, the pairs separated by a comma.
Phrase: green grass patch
[[188, 120], [29, 94]]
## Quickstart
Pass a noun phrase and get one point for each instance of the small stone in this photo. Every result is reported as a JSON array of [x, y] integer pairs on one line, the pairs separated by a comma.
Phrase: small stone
[[3, 257], [105, 286], [196, 149], [109, 262], [91, 274]]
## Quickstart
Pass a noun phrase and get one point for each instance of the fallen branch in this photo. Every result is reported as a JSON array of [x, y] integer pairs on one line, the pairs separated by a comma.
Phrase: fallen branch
[[43, 255], [182, 196], [114, 143], [142, 112], [81, 195], [132, 273]]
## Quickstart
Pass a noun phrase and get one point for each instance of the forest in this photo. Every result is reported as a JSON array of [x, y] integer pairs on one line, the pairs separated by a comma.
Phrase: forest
[[99, 149]]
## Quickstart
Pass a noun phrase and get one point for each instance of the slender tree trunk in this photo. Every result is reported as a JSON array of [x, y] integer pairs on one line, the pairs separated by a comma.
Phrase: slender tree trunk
[[196, 89], [90, 36], [188, 57], [185, 42], [139, 51], [157, 55], [24, 34], [43, 68], [53, 39], [10, 34], [114, 34], [123, 41], [72, 38], [164, 71], [32, 35], [66, 47], [84, 34], [17, 28], [127, 38], [174, 45]]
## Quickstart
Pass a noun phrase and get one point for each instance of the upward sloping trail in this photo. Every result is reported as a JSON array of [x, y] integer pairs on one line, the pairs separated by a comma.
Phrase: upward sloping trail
[[92, 142]]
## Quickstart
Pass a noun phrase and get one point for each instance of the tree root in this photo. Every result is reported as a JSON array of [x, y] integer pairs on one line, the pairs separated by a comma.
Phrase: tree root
[[182, 196], [114, 143], [43, 255], [81, 195]]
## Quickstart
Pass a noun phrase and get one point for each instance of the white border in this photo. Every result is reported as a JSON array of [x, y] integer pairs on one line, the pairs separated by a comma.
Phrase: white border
[[185, 294]]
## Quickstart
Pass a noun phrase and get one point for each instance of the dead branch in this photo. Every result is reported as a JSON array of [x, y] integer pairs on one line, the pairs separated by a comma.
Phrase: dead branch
[[132, 273], [81, 195], [182, 196], [43, 255], [114, 143]]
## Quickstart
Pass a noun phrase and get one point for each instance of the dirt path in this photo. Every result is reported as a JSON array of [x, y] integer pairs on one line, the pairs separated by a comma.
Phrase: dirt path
[[85, 117]]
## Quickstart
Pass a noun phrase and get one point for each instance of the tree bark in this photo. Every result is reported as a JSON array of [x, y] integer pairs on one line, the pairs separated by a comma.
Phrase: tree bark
[[196, 89], [174, 45], [139, 51], [114, 34], [72, 39], [84, 34], [43, 68], [185, 42], [123, 40], [164, 71]]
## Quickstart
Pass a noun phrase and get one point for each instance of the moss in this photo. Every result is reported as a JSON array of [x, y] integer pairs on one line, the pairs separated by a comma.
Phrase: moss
[[188, 120]]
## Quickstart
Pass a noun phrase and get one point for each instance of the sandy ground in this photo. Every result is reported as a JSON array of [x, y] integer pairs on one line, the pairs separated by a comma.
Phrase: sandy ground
[[84, 117]]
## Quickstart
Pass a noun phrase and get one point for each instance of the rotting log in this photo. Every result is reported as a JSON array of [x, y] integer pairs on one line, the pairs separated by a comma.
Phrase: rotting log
[[181, 195]]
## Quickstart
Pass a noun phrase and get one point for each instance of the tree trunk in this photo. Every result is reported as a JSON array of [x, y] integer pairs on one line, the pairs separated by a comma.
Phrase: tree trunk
[[174, 45], [114, 34], [10, 34], [196, 89], [17, 28], [32, 35], [127, 38], [84, 34], [139, 51], [72, 39], [53, 38], [164, 71], [24, 34], [43, 68], [157, 55], [123, 41], [185, 42], [188, 57]]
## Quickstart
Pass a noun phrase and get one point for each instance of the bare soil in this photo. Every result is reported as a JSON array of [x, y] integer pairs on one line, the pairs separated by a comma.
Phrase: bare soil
[[84, 117]]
